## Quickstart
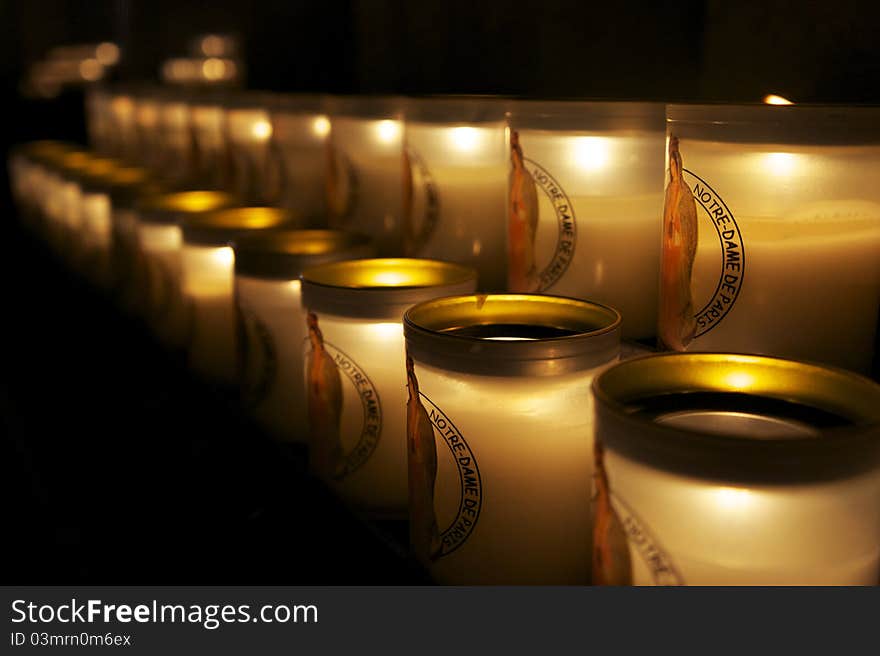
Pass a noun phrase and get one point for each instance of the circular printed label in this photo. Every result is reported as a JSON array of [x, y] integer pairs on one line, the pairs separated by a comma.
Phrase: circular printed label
[[459, 520], [258, 359], [728, 270], [566, 236]]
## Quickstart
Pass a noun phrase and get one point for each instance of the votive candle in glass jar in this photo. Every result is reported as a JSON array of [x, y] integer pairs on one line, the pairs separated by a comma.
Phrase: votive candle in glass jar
[[159, 241], [355, 375], [365, 168], [272, 324], [300, 129], [208, 284], [720, 469], [148, 123], [213, 165], [177, 139], [249, 131], [28, 165], [772, 232], [58, 194], [99, 120], [500, 435], [455, 188], [122, 110], [70, 186], [586, 203]]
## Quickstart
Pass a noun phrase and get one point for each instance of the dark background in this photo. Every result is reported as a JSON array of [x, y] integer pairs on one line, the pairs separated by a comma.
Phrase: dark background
[[118, 468]]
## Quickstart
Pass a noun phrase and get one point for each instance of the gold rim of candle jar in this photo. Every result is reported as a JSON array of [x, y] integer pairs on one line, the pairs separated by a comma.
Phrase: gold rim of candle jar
[[593, 339], [220, 227], [780, 124], [173, 207], [827, 453], [285, 254], [382, 287]]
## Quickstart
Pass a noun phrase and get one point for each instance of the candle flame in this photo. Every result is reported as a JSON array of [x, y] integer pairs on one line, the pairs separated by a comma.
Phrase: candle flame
[[262, 130], [388, 131], [465, 139], [780, 163], [773, 99], [732, 498], [321, 126], [224, 256], [591, 153]]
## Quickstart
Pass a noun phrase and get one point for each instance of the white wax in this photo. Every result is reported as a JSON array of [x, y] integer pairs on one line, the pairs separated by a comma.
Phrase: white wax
[[207, 284], [96, 237], [272, 368], [468, 169], [611, 189], [369, 162], [716, 534], [532, 441], [167, 312], [379, 484]]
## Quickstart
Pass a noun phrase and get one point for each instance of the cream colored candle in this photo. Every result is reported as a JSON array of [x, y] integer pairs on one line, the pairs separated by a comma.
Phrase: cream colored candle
[[300, 128], [159, 241], [272, 323], [736, 470], [586, 203], [28, 167], [249, 131], [787, 233], [456, 193], [213, 165], [177, 140], [355, 375], [207, 262], [148, 123], [500, 435], [365, 176], [122, 112], [96, 215], [103, 138]]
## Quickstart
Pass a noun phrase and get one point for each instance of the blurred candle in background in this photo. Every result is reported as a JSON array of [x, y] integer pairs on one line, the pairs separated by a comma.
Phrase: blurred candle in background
[[300, 129], [147, 120], [207, 284], [102, 135], [586, 204], [455, 193], [213, 166], [365, 168], [122, 111], [500, 435], [159, 241], [177, 139], [772, 232], [272, 324], [719, 469], [355, 374], [249, 131]]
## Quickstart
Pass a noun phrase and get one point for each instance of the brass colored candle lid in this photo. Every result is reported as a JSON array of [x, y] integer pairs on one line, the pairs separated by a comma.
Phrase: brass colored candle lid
[[174, 206], [285, 254], [382, 287], [782, 419], [512, 334], [218, 228]]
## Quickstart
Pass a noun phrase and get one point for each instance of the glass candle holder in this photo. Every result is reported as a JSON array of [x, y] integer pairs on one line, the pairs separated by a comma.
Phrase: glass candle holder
[[365, 168], [99, 120], [718, 469], [489, 375], [208, 284], [59, 195], [586, 203], [355, 376], [122, 111], [148, 123], [83, 198], [300, 129], [772, 230], [213, 165], [177, 139], [249, 131], [455, 191], [28, 166], [159, 241], [272, 324]]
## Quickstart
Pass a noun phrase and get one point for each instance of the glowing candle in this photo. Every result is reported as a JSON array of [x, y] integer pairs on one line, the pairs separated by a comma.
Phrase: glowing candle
[[272, 323], [249, 131], [122, 111], [500, 435], [99, 120], [586, 204], [365, 174], [177, 140], [355, 375], [724, 469], [147, 121], [456, 195], [159, 241], [780, 217], [28, 166], [207, 284], [213, 164], [300, 128]]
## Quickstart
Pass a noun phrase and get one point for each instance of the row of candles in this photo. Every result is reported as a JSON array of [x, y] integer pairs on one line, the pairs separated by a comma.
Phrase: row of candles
[[472, 413]]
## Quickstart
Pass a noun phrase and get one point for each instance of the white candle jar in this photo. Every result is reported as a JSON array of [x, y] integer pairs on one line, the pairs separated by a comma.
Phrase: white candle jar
[[148, 124], [455, 191], [272, 324], [59, 196], [772, 232], [300, 128], [177, 140], [207, 283], [213, 166], [249, 131], [69, 207], [28, 167], [365, 169], [355, 375], [585, 204], [122, 111], [159, 242], [500, 435], [102, 135], [719, 469]]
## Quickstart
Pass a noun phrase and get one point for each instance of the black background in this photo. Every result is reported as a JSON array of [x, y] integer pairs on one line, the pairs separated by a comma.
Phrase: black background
[[117, 467]]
